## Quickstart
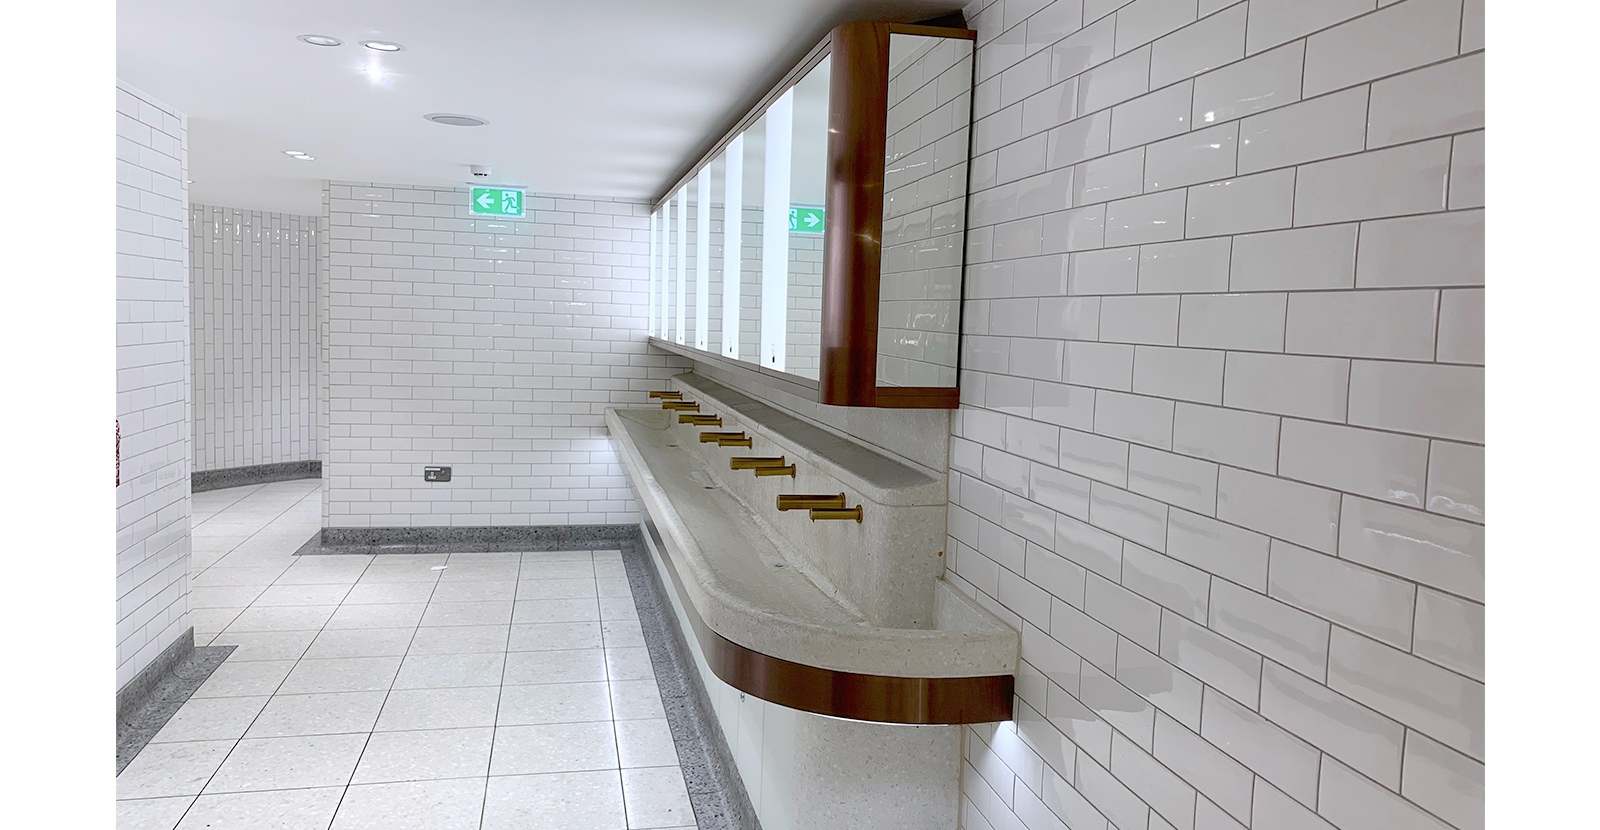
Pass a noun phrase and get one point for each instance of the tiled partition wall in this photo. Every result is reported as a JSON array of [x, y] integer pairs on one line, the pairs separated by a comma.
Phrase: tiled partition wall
[[1220, 454], [152, 380], [254, 298], [489, 345]]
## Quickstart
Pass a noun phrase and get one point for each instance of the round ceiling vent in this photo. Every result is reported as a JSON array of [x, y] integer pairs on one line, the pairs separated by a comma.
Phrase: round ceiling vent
[[456, 120]]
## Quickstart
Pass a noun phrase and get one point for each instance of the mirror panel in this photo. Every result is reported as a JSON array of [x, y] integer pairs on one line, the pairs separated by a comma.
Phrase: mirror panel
[[751, 194], [808, 182], [924, 210]]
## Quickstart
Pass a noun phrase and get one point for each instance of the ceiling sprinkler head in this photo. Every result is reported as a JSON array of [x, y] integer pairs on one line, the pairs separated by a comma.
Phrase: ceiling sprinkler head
[[482, 171]]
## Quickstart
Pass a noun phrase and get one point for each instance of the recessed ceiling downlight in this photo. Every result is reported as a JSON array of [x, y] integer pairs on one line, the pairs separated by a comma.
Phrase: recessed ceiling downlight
[[456, 119], [383, 46], [320, 40], [295, 153]]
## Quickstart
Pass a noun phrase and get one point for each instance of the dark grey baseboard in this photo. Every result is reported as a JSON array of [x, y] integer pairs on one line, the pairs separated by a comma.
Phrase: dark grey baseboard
[[715, 790], [149, 700], [201, 481], [370, 540]]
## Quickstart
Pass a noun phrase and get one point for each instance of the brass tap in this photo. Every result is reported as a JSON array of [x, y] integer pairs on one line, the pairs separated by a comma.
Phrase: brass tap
[[709, 437], [666, 395], [753, 462], [787, 470], [681, 406], [733, 442], [800, 502], [830, 514], [699, 420]]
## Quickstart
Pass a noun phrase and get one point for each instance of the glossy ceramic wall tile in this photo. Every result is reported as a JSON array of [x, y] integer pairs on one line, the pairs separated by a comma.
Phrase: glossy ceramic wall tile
[[254, 322], [153, 404], [1243, 283], [489, 345]]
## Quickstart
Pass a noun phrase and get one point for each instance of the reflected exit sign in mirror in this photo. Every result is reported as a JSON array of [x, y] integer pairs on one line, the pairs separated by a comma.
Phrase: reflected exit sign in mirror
[[805, 220], [498, 201]]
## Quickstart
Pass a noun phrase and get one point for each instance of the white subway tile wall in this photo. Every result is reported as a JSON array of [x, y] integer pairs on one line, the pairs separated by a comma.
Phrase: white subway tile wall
[[1243, 286], [153, 415], [254, 323], [490, 345]]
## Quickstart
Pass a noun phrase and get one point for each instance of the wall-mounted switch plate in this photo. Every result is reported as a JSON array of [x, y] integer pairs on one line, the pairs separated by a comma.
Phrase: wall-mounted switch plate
[[435, 473]]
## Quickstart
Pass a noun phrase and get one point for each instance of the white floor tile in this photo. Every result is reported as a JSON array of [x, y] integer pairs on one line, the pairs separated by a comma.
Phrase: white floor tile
[[245, 679], [461, 639], [634, 699], [554, 703], [646, 743], [572, 666], [152, 813], [618, 608], [622, 634], [544, 569], [389, 593], [265, 645], [467, 613], [273, 810], [211, 719], [553, 747], [171, 769], [223, 596], [629, 664], [557, 589], [328, 713], [413, 805], [348, 674], [446, 671], [450, 591], [656, 797], [561, 801], [480, 572], [556, 610], [292, 618], [426, 754], [278, 595], [554, 636], [403, 615], [612, 586], [360, 642], [439, 708], [288, 763]]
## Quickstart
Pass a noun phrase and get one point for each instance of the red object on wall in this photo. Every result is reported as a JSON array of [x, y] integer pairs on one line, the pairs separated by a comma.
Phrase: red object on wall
[[119, 453]]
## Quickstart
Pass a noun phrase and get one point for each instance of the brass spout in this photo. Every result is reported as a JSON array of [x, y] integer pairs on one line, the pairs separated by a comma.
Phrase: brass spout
[[787, 470], [734, 442], [752, 462], [709, 437], [666, 395], [700, 420], [799, 502], [829, 514], [681, 406]]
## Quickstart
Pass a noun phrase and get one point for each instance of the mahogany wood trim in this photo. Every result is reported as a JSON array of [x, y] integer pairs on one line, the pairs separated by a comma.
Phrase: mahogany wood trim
[[866, 697], [918, 397], [932, 31]]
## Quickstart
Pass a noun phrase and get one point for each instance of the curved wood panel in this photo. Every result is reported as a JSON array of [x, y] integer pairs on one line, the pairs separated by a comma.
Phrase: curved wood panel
[[866, 697]]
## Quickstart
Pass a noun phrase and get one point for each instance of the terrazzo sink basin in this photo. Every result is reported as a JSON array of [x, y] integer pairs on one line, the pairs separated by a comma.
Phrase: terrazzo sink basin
[[751, 586]]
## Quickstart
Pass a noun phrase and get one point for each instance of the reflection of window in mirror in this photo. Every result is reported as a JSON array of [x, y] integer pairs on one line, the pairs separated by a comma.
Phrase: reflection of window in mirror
[[686, 263], [752, 191], [808, 179], [669, 273], [653, 274], [775, 233], [924, 210], [708, 243], [732, 241]]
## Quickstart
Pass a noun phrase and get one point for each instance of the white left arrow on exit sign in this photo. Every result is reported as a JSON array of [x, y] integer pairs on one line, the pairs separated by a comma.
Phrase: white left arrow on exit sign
[[485, 201]]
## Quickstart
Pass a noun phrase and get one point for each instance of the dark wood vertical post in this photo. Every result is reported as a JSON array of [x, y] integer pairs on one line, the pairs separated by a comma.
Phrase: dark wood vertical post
[[858, 102]]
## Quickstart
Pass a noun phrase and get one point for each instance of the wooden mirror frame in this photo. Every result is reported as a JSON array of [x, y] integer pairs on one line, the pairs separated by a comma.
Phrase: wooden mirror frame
[[858, 107]]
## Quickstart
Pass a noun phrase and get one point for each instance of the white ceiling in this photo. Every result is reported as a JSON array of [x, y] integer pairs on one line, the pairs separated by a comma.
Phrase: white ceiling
[[597, 97]]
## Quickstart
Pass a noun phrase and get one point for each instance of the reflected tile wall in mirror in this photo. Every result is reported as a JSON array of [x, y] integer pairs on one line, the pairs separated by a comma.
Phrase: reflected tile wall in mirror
[[924, 210]]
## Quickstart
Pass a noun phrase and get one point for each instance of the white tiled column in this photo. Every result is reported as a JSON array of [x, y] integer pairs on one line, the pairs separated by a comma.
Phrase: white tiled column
[[153, 535], [1220, 450]]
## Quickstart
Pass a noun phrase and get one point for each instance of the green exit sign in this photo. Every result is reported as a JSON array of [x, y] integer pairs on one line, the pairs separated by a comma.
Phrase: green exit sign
[[498, 201], [805, 220]]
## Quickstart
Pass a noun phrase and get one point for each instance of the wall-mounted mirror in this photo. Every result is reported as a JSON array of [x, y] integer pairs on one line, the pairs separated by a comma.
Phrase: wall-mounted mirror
[[822, 240], [924, 209]]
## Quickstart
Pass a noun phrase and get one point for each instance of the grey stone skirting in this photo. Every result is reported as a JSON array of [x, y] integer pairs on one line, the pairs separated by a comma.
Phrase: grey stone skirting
[[715, 790], [149, 700], [199, 482]]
